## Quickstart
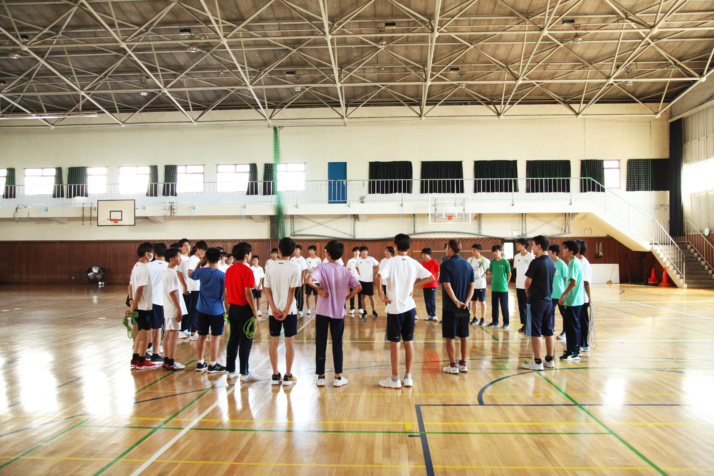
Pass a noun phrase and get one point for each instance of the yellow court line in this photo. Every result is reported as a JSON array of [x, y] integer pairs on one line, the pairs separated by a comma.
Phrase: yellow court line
[[324, 465]]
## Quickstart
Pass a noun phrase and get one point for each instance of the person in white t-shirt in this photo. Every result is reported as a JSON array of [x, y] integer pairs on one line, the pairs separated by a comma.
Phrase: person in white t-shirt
[[298, 259], [273, 258], [587, 297], [174, 308], [367, 268], [194, 287], [402, 274], [388, 253], [312, 262], [258, 275], [521, 262], [282, 280], [140, 300], [156, 271], [222, 264], [480, 264], [230, 261], [352, 266], [182, 270]]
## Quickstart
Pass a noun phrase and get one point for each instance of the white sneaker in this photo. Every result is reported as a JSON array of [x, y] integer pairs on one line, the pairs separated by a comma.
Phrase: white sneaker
[[178, 366], [194, 336], [451, 370], [416, 318], [183, 335], [260, 313], [320, 381], [389, 383], [531, 365], [309, 312], [463, 369], [232, 375], [248, 378], [434, 318], [361, 311], [352, 312], [339, 382], [408, 382], [549, 365], [300, 314]]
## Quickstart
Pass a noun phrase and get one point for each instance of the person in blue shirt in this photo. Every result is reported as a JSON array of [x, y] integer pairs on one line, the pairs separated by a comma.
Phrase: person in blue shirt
[[457, 279], [210, 308], [540, 320]]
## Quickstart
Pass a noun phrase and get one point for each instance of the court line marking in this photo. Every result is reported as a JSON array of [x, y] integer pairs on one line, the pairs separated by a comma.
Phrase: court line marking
[[22, 455], [41, 425], [168, 445], [159, 380]]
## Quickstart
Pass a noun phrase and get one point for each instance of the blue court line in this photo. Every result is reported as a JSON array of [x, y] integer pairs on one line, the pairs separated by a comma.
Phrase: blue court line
[[41, 425]]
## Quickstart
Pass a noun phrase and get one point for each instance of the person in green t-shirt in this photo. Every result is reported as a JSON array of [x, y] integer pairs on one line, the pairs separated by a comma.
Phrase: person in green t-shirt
[[561, 272], [500, 271], [572, 301]]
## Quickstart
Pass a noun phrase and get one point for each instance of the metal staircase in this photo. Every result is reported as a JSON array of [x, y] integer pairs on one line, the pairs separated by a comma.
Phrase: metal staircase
[[699, 256]]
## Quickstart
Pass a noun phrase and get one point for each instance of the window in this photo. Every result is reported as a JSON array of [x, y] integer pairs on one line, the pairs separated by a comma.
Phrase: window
[[442, 177], [647, 175], [291, 177], [232, 178], [495, 176], [39, 181], [390, 177], [133, 180], [696, 177], [189, 178], [612, 174], [3, 178], [97, 179], [508, 250]]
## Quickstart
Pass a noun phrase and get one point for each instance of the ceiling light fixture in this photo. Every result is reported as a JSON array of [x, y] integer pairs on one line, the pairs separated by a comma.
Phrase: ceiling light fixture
[[578, 38], [14, 55], [193, 48], [462, 85], [143, 93], [382, 43], [297, 89]]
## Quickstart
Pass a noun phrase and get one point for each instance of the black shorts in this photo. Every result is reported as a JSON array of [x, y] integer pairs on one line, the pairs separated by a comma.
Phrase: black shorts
[[367, 289], [289, 324], [257, 294], [401, 326], [143, 322], [479, 295], [214, 323], [157, 317], [452, 328], [309, 291], [540, 320]]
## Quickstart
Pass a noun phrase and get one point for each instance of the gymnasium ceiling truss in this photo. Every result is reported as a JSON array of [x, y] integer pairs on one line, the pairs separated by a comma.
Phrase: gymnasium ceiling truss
[[66, 59]]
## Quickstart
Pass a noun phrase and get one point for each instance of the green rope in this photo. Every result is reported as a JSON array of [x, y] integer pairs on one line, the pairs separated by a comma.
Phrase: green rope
[[279, 213], [228, 332], [130, 328], [249, 327]]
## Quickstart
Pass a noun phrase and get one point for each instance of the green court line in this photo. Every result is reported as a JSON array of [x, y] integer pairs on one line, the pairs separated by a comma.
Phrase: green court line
[[41, 444], [689, 329], [159, 380], [154, 430], [377, 432], [622, 440], [484, 329]]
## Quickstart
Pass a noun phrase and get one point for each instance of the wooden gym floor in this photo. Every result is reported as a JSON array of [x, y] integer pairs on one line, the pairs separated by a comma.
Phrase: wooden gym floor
[[640, 404]]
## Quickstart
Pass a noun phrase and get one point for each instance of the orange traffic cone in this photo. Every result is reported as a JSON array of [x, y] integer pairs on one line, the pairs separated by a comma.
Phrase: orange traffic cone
[[665, 282], [653, 279]]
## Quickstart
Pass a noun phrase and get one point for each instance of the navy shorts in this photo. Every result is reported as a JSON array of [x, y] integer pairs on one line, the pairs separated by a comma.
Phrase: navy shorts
[[479, 295], [540, 320], [214, 323], [257, 294], [289, 324], [367, 289], [401, 326], [143, 322], [309, 291], [451, 327], [157, 317]]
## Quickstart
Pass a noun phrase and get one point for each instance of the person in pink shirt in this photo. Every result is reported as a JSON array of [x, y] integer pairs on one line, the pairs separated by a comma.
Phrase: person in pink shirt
[[332, 293]]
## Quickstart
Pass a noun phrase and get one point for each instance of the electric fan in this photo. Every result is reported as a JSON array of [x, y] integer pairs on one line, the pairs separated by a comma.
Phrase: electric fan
[[95, 274]]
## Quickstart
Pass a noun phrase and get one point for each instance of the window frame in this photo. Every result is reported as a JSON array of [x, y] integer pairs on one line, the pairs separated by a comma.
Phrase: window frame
[[605, 174], [282, 180], [133, 188], [190, 186], [91, 172], [46, 172], [221, 185]]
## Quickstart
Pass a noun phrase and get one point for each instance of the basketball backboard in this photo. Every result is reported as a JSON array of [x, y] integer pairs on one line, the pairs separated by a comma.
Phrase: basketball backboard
[[115, 213], [447, 209]]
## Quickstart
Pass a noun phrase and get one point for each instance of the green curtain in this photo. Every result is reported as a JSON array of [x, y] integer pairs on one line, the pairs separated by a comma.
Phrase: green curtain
[[594, 170], [153, 189], [252, 180], [548, 176], [647, 175], [495, 176], [58, 191], [390, 177], [442, 177], [170, 179], [10, 189], [268, 180], [77, 182]]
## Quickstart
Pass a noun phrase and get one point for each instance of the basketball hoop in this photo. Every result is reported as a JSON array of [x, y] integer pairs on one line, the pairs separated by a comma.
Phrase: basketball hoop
[[115, 220]]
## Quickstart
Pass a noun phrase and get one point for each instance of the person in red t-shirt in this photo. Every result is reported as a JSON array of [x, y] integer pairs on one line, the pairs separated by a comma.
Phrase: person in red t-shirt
[[239, 295], [430, 288]]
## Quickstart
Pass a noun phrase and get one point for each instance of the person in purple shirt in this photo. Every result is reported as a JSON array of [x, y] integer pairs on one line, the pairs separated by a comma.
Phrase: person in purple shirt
[[334, 281]]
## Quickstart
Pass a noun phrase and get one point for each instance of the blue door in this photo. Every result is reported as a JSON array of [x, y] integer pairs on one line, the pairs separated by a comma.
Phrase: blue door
[[337, 182]]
